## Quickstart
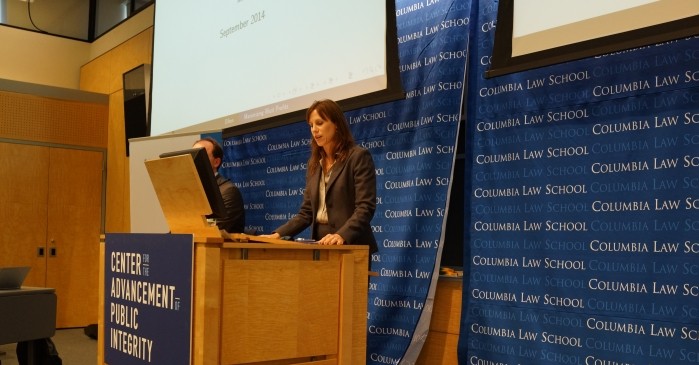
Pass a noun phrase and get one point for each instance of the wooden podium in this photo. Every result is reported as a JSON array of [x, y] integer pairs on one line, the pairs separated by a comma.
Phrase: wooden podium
[[259, 300], [279, 303]]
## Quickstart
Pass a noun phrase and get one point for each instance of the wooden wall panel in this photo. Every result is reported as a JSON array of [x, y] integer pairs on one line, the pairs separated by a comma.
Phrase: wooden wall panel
[[447, 306], [129, 55], [94, 76], [118, 216], [104, 74], [41, 119], [442, 341]]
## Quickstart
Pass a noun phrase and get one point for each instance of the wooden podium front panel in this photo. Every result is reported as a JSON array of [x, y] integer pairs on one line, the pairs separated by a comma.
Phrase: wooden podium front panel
[[279, 304], [279, 309]]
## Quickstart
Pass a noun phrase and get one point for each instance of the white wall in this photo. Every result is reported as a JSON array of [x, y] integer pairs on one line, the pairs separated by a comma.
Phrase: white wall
[[41, 59], [37, 58]]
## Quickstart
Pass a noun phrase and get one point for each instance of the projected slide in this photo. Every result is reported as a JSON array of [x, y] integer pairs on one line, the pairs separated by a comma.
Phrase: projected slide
[[537, 33], [543, 24], [218, 64]]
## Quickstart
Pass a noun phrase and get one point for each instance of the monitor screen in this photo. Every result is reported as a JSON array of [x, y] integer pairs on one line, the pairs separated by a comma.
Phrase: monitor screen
[[136, 94], [206, 176]]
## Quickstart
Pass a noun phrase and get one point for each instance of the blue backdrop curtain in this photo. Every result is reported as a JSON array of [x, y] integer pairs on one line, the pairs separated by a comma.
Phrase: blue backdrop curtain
[[584, 179]]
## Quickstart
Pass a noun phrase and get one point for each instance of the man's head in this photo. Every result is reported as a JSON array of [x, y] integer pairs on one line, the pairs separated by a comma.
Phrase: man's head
[[213, 150]]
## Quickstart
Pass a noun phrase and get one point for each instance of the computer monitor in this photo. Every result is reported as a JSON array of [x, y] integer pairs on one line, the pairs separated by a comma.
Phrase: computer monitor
[[13, 277], [206, 176]]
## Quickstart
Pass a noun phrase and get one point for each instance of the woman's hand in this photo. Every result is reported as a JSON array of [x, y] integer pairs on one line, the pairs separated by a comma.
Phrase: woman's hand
[[332, 239], [274, 235]]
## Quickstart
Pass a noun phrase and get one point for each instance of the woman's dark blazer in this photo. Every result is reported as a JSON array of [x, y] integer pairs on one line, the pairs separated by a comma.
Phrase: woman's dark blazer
[[350, 199]]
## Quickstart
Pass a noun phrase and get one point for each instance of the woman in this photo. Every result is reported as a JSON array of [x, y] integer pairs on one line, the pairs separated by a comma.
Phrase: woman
[[340, 196]]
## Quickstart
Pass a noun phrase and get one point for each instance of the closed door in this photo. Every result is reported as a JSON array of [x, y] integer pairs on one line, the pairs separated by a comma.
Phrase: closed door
[[23, 208], [74, 210], [51, 219]]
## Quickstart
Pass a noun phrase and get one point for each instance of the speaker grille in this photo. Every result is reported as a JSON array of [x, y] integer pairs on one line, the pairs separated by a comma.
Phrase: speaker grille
[[41, 119]]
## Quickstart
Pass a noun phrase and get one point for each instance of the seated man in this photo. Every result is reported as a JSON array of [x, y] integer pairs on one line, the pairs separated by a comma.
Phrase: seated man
[[233, 220]]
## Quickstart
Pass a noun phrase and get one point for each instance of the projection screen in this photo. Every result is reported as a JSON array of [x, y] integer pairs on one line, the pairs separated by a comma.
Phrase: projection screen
[[219, 64], [536, 33]]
